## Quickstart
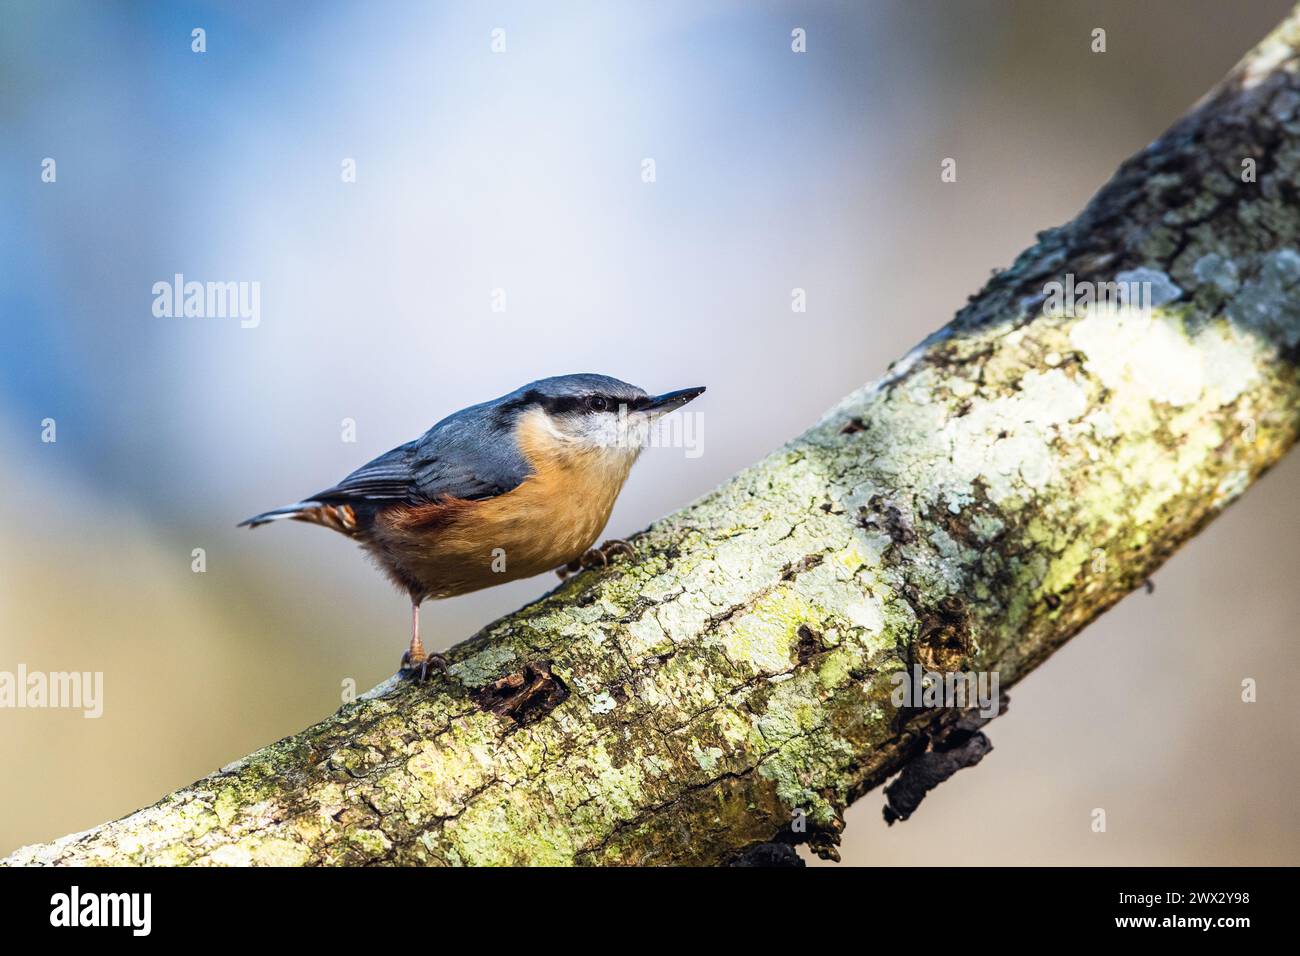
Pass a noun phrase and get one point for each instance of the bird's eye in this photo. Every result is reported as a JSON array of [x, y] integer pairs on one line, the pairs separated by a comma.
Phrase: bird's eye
[[598, 403]]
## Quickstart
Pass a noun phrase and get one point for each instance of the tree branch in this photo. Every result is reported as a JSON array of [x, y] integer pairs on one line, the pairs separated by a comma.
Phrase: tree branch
[[1004, 485]]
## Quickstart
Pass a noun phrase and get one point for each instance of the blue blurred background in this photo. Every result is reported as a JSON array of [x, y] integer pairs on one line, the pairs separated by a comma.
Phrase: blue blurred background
[[521, 171]]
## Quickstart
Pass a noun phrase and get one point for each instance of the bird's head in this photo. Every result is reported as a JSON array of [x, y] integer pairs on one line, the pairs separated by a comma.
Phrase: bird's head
[[589, 413]]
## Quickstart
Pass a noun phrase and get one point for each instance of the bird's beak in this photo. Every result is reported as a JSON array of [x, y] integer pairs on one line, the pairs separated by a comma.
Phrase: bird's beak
[[667, 402]]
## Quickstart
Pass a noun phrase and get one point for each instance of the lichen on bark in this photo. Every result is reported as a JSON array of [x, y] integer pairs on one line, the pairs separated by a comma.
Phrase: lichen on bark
[[1007, 482]]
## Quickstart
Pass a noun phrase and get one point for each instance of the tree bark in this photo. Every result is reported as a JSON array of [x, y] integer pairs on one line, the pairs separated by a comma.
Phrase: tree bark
[[731, 684]]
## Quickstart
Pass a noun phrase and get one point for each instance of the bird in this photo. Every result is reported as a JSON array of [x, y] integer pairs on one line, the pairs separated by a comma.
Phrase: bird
[[498, 491]]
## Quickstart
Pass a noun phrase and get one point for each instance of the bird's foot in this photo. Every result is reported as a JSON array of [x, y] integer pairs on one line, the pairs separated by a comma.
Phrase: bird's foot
[[420, 670], [597, 557]]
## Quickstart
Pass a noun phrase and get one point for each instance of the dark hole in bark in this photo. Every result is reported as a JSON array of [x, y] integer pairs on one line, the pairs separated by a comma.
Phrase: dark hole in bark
[[525, 697], [796, 568], [810, 643], [886, 516], [944, 635]]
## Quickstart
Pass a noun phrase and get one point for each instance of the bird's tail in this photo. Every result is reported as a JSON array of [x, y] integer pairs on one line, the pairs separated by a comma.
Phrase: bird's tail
[[288, 511], [338, 517]]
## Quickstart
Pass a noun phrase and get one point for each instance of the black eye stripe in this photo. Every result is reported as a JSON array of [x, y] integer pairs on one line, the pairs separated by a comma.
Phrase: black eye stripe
[[559, 405], [566, 403]]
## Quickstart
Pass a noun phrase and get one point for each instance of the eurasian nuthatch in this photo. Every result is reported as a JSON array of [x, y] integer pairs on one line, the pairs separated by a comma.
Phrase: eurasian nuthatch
[[497, 491]]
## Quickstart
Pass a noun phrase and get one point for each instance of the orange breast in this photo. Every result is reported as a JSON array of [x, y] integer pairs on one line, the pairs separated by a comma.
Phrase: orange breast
[[555, 515]]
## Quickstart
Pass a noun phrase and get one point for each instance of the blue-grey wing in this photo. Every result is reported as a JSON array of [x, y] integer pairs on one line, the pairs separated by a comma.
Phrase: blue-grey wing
[[387, 478], [470, 454]]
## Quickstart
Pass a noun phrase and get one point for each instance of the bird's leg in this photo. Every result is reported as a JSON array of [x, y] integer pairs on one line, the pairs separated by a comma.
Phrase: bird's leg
[[597, 557], [415, 653], [415, 662]]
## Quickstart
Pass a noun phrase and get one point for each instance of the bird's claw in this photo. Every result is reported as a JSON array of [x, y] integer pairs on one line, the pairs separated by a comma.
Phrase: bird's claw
[[420, 670], [596, 557], [614, 546]]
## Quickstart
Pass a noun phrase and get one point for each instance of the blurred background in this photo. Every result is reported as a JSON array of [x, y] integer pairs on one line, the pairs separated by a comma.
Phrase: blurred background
[[521, 171]]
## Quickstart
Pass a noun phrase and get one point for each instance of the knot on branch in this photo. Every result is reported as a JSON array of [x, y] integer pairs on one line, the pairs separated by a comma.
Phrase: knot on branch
[[524, 697]]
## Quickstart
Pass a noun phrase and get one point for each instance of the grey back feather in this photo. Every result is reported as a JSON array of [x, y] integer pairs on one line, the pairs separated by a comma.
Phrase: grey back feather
[[470, 454]]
